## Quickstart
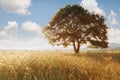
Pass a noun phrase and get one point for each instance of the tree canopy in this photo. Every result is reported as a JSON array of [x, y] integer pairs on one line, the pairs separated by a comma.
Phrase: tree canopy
[[74, 25]]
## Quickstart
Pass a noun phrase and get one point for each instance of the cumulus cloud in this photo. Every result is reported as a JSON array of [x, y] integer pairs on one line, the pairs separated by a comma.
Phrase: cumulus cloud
[[92, 6], [112, 21], [114, 35], [31, 27], [9, 37], [16, 6], [10, 31]]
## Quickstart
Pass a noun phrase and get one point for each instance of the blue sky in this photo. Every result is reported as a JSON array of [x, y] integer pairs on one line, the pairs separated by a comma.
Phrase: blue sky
[[21, 21]]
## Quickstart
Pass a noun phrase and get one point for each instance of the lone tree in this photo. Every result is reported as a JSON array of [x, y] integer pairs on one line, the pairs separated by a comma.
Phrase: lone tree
[[73, 25]]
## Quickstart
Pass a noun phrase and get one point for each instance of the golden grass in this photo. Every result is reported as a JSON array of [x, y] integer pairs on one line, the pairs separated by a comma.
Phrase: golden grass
[[56, 65]]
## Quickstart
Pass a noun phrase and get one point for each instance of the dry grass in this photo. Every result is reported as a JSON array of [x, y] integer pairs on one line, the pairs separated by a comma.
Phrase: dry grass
[[38, 65]]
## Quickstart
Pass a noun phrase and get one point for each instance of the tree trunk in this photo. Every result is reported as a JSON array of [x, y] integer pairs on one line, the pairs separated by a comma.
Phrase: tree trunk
[[76, 51], [76, 47]]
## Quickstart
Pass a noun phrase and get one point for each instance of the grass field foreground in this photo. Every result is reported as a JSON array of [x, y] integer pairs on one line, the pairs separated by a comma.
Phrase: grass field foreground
[[56, 65]]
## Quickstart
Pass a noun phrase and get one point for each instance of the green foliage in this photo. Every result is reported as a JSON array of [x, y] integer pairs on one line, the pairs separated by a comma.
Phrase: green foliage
[[73, 25]]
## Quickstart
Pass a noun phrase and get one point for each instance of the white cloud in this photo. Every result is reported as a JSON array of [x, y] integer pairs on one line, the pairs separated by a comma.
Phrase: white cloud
[[31, 27], [16, 6], [25, 44], [92, 6], [112, 21], [10, 31], [112, 13], [114, 35], [9, 37]]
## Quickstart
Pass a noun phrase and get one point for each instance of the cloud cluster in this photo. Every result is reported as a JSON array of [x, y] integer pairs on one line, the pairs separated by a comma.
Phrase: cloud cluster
[[16, 6], [31, 27], [114, 35], [10, 31], [92, 6], [9, 37], [112, 21]]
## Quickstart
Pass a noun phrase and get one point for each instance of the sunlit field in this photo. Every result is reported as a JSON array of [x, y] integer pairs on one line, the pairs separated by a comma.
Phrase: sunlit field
[[58, 65]]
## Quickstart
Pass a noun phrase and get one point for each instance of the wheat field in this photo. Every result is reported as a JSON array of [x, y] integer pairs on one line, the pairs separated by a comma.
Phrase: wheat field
[[58, 65]]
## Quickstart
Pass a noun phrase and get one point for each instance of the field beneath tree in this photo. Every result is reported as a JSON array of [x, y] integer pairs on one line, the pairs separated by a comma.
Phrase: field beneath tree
[[58, 65]]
